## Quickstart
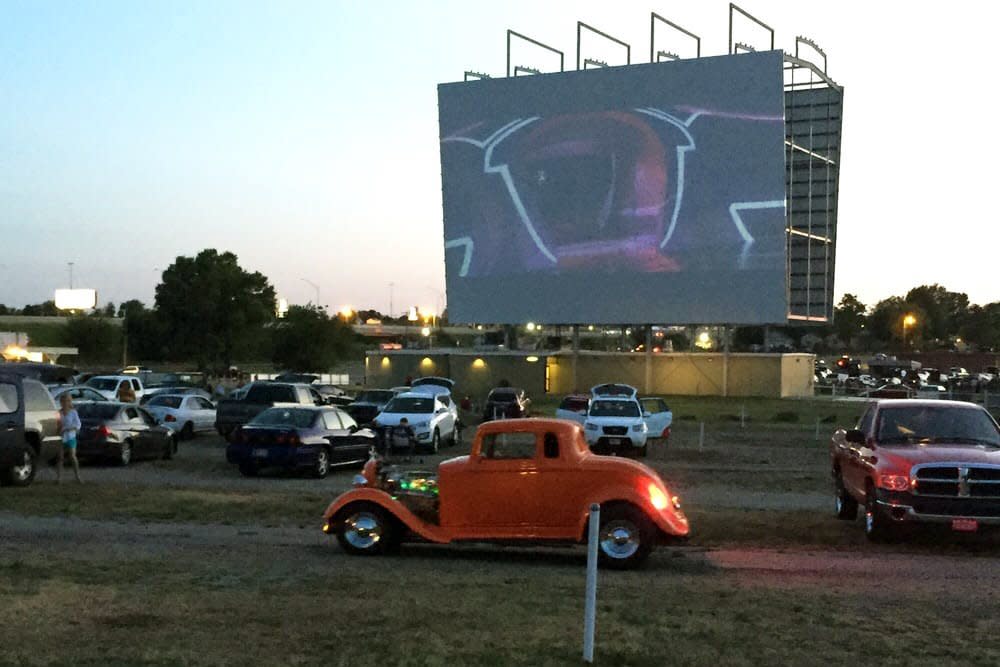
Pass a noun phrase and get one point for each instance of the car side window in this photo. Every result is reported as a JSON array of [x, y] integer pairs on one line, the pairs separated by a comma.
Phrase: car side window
[[346, 419], [551, 446], [516, 445], [331, 421], [8, 398], [37, 397]]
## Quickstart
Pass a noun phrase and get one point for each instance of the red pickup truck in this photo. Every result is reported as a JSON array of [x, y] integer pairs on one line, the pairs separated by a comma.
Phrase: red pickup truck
[[919, 462], [525, 481]]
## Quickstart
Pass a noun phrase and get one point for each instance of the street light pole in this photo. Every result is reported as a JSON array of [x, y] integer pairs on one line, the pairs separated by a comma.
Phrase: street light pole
[[315, 287]]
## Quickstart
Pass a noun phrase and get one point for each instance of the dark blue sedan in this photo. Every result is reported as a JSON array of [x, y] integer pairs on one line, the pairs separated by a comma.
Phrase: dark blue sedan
[[300, 438]]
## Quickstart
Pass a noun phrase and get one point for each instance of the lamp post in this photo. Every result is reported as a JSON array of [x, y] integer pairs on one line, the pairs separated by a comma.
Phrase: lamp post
[[315, 287], [908, 321]]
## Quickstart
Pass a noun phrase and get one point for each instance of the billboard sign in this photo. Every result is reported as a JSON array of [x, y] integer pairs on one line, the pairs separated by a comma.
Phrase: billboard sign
[[76, 299], [638, 194]]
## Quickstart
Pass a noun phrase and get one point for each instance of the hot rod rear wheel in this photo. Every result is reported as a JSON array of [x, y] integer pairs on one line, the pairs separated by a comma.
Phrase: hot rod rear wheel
[[365, 529], [625, 539]]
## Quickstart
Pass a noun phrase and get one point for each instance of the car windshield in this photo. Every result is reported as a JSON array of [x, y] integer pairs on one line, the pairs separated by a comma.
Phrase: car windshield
[[614, 409], [295, 417], [936, 424], [103, 384], [97, 411], [166, 402], [410, 405], [375, 397]]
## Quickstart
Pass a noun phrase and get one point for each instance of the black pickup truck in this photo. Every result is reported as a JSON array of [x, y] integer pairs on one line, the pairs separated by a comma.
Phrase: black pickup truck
[[231, 413]]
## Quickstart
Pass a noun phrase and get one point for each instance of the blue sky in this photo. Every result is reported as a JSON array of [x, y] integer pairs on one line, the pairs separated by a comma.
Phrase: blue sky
[[303, 137]]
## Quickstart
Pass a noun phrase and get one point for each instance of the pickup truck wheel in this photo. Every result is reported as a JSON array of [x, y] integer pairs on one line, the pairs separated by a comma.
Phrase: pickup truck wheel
[[366, 530], [846, 505], [878, 525], [322, 467], [625, 538], [21, 474], [125, 453]]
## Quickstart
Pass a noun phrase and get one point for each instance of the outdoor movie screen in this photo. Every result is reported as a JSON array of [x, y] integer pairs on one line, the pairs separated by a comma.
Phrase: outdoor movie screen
[[648, 193]]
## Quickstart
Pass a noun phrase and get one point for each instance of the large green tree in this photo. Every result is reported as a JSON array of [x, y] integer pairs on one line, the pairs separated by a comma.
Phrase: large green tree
[[307, 339], [945, 311], [849, 318], [211, 309]]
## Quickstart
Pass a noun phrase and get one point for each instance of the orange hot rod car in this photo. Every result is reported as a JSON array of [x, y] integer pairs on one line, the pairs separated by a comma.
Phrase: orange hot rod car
[[525, 481]]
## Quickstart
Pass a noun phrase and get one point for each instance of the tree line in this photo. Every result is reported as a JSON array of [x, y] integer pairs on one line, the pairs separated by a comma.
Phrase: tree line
[[210, 311]]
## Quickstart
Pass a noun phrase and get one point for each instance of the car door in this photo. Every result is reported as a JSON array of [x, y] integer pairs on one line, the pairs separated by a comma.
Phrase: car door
[[137, 429], [505, 494], [338, 437], [657, 416], [11, 418], [205, 411], [156, 435], [361, 440]]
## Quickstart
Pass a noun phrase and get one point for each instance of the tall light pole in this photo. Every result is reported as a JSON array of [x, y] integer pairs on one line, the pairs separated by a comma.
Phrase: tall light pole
[[908, 321], [315, 287]]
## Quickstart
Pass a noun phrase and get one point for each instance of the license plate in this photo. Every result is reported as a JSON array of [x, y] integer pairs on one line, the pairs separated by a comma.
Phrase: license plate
[[260, 453], [964, 525], [614, 441]]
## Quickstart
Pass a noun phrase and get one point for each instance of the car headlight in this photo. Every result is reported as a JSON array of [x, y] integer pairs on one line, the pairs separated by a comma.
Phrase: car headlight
[[590, 426], [895, 482], [638, 428]]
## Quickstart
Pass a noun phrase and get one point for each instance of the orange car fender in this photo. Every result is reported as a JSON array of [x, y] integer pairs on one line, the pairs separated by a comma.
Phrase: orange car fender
[[668, 520], [427, 531]]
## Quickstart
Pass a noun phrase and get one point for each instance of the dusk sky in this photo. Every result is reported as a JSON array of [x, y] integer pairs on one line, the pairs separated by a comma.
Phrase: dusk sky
[[304, 136]]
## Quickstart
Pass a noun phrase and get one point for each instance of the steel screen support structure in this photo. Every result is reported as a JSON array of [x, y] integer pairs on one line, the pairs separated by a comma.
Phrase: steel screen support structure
[[813, 119], [752, 18], [562, 57], [654, 17], [579, 31]]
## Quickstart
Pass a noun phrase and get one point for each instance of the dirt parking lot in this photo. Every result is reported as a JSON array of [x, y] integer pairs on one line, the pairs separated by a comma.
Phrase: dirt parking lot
[[188, 562]]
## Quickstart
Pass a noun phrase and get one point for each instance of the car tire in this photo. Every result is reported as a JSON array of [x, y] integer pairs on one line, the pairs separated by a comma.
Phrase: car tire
[[170, 450], [22, 474], [878, 525], [845, 505], [365, 529], [249, 469], [322, 467], [187, 433], [125, 453], [625, 538]]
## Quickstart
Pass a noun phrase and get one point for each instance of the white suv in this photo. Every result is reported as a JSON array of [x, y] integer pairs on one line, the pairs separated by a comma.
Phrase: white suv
[[615, 425], [430, 417]]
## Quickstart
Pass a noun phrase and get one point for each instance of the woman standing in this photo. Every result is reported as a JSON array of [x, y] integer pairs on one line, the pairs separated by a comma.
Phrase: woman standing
[[69, 424]]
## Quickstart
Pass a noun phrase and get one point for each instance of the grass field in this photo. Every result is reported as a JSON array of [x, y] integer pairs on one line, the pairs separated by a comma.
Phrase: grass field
[[429, 607]]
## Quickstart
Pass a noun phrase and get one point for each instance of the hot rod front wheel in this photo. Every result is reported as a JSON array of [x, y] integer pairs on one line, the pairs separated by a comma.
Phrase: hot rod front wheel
[[625, 539], [366, 529]]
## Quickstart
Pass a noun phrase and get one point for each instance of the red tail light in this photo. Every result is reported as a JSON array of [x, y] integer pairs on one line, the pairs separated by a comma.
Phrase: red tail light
[[170, 418]]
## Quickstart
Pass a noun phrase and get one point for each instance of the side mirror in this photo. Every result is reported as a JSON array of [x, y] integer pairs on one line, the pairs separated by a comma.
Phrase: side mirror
[[854, 436]]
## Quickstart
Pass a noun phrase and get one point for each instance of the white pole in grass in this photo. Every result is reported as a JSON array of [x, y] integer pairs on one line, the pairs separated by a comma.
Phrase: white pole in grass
[[590, 606]]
